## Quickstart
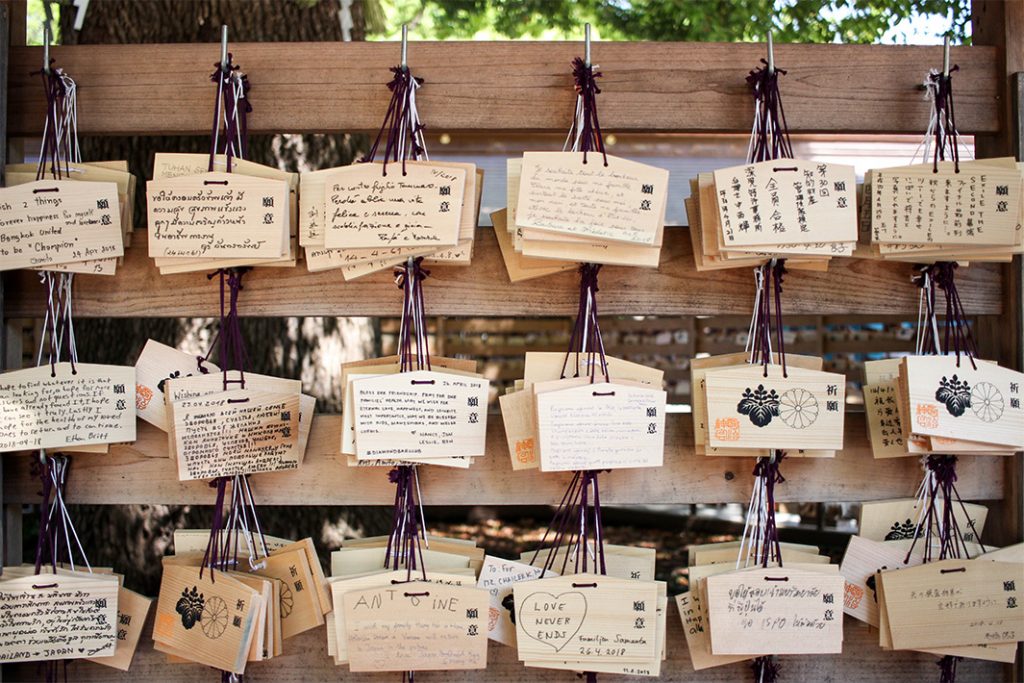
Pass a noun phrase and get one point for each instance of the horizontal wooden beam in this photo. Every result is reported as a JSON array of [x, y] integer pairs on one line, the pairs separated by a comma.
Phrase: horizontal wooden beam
[[513, 86], [305, 659], [483, 289], [143, 473]]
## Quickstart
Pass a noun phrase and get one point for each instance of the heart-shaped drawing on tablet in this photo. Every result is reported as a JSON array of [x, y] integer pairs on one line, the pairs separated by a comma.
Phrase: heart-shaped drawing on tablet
[[552, 619]]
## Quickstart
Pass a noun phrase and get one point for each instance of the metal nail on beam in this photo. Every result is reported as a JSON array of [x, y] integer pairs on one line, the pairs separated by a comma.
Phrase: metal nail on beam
[[771, 53], [405, 46], [586, 44], [224, 47], [945, 57], [46, 47]]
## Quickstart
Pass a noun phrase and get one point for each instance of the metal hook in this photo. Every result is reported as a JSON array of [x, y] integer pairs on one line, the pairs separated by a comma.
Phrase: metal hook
[[945, 57], [47, 37], [405, 46], [586, 44], [771, 53], [224, 47]]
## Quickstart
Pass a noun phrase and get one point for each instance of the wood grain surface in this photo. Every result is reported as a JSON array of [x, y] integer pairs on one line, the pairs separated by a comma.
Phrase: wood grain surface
[[142, 473], [512, 86], [483, 289]]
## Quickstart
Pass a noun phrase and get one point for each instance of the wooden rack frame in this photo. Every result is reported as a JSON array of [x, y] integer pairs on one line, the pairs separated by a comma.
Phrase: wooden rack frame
[[526, 88]]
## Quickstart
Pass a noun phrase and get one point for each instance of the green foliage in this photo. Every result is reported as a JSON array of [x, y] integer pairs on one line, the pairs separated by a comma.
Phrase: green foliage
[[846, 21]]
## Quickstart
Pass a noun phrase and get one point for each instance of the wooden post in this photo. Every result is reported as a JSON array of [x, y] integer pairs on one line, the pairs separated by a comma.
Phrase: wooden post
[[999, 23]]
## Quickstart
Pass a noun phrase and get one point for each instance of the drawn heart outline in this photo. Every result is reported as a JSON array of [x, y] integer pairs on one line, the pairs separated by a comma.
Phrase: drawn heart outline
[[524, 617]]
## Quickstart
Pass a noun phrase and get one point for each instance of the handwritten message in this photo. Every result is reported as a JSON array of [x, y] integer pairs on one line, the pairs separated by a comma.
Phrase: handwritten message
[[977, 206], [236, 432], [65, 406], [600, 426], [420, 205], [497, 577], [420, 414], [586, 617], [775, 611], [433, 627], [218, 215], [622, 201], [787, 201], [57, 617], [49, 222], [954, 602]]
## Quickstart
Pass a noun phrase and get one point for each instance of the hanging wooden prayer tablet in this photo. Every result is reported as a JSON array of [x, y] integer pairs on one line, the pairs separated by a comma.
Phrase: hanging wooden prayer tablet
[[207, 621], [754, 407], [693, 610], [954, 602], [132, 610], [586, 617], [973, 204], [66, 405], [863, 559], [416, 627], [606, 198], [157, 364], [218, 215], [600, 426], [777, 610], [786, 202], [422, 414], [497, 576], [418, 205], [50, 222], [897, 520], [948, 397], [300, 606], [71, 615], [240, 431]]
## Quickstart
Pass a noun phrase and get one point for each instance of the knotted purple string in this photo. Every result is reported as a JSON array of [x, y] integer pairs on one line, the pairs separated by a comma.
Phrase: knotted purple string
[[409, 278], [404, 540], [957, 324], [399, 130], [586, 332], [768, 470], [771, 276], [771, 138], [229, 337], [214, 555], [941, 502], [947, 668], [50, 155], [46, 548], [589, 129], [945, 127]]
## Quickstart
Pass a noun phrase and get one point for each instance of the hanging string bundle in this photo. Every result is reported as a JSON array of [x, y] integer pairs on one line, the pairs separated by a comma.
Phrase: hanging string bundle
[[769, 137], [408, 525], [401, 130], [231, 108], [942, 124], [585, 133], [937, 496]]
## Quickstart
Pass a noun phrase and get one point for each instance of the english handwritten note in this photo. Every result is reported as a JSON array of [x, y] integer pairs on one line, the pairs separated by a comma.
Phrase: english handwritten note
[[586, 617], [50, 222], [57, 617], [66, 406], [497, 577], [420, 414], [421, 205], [218, 215], [601, 426], [431, 627], [236, 432], [623, 201]]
